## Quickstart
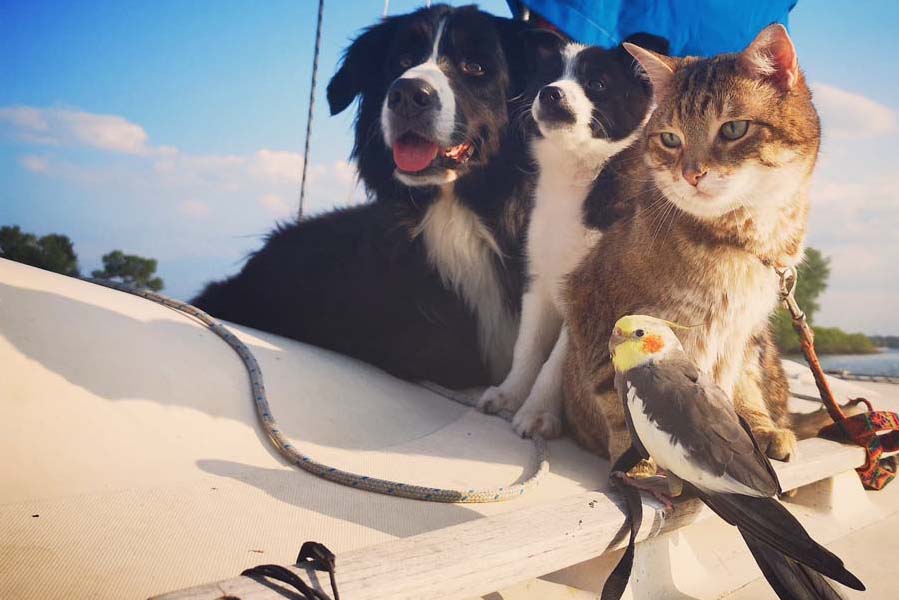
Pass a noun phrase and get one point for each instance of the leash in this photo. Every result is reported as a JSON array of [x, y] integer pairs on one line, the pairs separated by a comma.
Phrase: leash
[[315, 555], [617, 580], [307, 463], [877, 431]]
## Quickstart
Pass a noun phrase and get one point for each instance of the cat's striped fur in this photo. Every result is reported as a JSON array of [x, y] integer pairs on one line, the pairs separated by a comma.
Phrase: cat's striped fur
[[713, 214]]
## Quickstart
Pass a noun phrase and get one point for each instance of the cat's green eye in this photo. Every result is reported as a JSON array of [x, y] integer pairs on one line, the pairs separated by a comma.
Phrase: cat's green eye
[[734, 130], [670, 140]]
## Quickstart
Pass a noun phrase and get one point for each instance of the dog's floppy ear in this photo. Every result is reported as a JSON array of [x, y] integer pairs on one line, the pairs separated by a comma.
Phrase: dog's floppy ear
[[359, 64], [525, 46], [648, 41]]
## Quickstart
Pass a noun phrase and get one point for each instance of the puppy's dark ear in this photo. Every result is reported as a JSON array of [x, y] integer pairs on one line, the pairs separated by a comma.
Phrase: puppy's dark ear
[[649, 41], [360, 63], [541, 43], [526, 48]]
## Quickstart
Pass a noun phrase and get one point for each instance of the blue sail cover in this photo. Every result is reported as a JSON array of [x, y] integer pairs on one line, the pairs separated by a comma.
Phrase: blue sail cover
[[693, 27]]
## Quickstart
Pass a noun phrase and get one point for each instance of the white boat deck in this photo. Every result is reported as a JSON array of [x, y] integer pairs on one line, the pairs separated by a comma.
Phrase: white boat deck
[[134, 465]]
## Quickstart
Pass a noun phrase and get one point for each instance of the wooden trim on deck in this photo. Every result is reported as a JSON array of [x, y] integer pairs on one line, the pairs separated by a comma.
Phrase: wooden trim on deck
[[488, 554]]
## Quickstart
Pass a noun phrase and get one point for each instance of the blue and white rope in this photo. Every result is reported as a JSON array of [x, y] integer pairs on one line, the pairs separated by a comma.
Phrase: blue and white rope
[[307, 463]]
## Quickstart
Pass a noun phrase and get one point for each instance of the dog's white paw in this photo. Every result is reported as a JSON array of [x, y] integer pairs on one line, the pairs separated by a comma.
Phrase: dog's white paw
[[496, 400], [528, 423]]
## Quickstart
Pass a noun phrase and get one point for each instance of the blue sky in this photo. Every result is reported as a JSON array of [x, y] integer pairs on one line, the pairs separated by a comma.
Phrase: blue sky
[[174, 130]]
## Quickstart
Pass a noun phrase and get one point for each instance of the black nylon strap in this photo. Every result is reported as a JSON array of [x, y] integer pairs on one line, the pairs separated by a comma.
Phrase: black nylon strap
[[621, 574], [312, 553]]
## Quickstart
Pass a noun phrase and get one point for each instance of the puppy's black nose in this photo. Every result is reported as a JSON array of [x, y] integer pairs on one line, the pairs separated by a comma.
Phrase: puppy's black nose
[[408, 97], [551, 94]]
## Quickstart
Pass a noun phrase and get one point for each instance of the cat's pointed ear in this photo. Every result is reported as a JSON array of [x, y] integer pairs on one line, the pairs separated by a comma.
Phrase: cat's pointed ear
[[772, 56], [659, 68]]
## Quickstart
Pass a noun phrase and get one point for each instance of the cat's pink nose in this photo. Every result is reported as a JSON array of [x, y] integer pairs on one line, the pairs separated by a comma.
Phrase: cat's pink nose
[[693, 175]]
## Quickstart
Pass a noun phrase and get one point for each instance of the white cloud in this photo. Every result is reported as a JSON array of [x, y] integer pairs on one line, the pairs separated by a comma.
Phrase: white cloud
[[24, 117], [35, 164], [275, 204], [277, 165], [847, 115], [71, 127], [183, 209], [195, 209]]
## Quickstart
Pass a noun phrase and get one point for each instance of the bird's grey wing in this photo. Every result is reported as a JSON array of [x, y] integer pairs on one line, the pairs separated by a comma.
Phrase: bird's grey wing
[[621, 385], [700, 416]]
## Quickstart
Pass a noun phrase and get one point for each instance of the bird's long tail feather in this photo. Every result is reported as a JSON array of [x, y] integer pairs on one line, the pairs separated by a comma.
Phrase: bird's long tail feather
[[789, 579], [774, 534]]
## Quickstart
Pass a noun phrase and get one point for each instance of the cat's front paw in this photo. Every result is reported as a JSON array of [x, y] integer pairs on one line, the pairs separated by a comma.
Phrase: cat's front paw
[[496, 400], [775, 442], [545, 423]]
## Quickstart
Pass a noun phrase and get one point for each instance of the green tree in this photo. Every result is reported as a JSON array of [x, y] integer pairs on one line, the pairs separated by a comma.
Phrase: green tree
[[132, 270], [813, 275], [53, 252]]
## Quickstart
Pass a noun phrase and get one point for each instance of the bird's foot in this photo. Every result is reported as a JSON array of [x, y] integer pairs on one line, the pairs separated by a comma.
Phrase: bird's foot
[[644, 469], [777, 443], [656, 486]]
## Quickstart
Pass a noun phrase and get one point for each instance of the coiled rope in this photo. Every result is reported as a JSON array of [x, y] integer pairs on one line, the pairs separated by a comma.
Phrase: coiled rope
[[307, 463]]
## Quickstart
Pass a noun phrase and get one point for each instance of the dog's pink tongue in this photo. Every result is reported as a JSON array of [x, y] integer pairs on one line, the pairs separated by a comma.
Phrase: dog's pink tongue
[[413, 154]]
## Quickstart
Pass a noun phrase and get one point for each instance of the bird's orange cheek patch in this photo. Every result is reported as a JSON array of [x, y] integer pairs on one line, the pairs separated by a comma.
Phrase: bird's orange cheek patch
[[652, 344]]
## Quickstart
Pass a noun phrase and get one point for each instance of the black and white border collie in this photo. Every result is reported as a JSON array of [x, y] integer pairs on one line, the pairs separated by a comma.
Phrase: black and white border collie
[[586, 119], [425, 280]]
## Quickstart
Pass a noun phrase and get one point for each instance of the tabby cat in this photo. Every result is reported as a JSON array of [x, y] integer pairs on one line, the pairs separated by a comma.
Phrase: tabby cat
[[721, 197]]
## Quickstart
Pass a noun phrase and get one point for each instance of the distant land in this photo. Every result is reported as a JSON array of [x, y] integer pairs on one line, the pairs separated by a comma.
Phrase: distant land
[[885, 341]]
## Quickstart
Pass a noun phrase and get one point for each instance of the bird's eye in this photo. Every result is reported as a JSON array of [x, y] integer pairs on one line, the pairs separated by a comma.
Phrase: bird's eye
[[596, 85], [472, 68], [670, 140], [734, 130], [405, 62], [639, 333]]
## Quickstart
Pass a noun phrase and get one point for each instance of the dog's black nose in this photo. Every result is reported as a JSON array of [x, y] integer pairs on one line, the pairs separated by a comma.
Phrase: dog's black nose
[[408, 97], [551, 94]]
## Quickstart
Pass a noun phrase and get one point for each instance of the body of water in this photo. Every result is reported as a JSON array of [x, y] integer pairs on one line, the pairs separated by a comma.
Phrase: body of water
[[885, 362]]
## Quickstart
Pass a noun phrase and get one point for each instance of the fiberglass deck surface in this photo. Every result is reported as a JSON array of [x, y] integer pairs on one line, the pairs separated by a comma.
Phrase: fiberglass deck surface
[[133, 464]]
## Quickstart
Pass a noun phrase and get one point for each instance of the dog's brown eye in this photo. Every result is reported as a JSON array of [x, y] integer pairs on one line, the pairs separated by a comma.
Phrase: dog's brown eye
[[472, 68], [670, 140], [405, 62], [596, 85]]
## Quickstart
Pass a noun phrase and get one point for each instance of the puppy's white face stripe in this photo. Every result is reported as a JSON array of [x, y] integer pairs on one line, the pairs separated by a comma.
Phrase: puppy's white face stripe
[[430, 72], [575, 98], [569, 56]]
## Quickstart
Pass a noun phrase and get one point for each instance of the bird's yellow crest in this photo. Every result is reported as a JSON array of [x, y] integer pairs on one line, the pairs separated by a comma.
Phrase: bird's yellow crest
[[638, 339]]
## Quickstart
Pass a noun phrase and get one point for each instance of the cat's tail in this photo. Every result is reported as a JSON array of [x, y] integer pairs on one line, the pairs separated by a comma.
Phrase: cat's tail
[[807, 425]]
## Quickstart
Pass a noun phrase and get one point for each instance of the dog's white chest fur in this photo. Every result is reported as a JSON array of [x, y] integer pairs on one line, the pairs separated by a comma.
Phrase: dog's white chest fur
[[463, 251], [557, 237]]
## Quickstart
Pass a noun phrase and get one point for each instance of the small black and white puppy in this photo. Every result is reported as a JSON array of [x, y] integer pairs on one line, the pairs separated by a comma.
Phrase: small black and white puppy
[[586, 119], [425, 280]]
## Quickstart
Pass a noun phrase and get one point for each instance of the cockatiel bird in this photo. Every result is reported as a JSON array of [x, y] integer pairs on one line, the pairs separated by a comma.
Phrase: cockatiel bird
[[687, 424]]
